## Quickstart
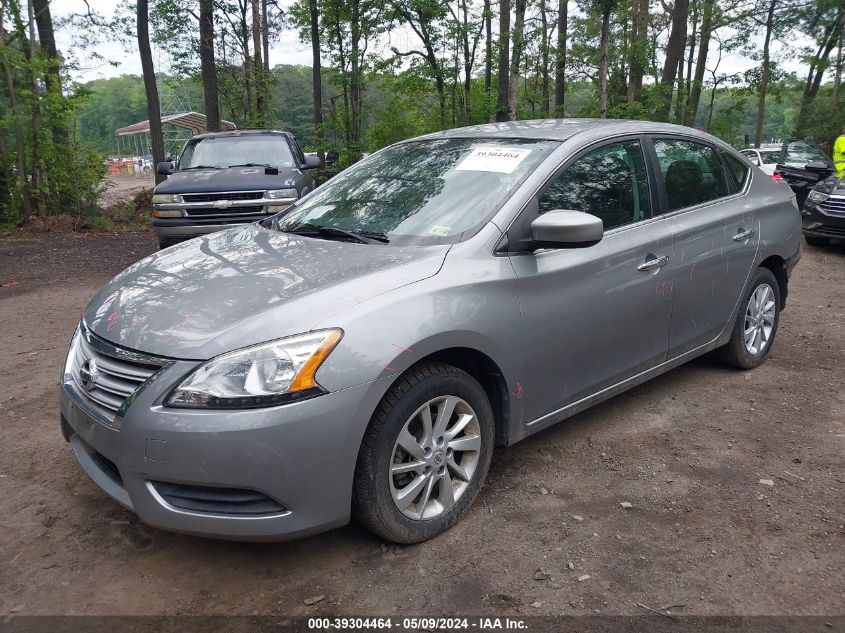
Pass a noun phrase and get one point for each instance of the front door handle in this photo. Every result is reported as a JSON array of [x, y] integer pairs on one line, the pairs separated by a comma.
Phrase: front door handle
[[743, 235], [653, 261]]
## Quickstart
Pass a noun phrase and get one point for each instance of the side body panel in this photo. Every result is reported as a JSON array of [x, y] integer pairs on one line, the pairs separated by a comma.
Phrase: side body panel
[[591, 318]]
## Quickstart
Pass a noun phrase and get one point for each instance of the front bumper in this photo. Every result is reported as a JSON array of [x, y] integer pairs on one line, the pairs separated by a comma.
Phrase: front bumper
[[189, 219], [301, 455], [819, 222]]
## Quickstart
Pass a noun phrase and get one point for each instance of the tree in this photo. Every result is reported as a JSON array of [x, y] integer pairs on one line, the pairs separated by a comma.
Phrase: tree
[[674, 55], [518, 40], [764, 74], [488, 47], [208, 64], [502, 108], [638, 49], [605, 6], [150, 88], [316, 77], [700, 64], [560, 57]]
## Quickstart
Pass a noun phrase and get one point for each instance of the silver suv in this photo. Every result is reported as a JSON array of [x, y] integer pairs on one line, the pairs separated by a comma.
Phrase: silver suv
[[362, 353]]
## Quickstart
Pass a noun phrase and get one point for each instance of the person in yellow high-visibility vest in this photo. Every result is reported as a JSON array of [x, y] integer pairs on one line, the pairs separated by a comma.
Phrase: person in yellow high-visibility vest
[[839, 155]]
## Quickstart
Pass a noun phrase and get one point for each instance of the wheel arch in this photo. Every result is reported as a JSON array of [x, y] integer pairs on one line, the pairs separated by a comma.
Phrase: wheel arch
[[777, 265]]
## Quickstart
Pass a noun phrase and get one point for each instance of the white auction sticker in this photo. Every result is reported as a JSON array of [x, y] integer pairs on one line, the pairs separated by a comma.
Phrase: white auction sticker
[[498, 159]]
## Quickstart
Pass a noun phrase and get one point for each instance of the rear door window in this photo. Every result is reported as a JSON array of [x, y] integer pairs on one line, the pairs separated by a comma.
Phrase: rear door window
[[692, 172], [738, 170]]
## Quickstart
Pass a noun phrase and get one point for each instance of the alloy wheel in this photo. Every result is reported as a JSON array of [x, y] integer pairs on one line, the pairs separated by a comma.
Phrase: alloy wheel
[[435, 457], [759, 319]]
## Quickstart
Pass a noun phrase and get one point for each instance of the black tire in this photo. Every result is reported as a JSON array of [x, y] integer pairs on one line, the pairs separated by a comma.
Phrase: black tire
[[735, 353], [812, 240], [373, 504]]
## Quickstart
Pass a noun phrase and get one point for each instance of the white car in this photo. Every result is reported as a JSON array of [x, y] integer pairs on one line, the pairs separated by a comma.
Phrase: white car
[[766, 157]]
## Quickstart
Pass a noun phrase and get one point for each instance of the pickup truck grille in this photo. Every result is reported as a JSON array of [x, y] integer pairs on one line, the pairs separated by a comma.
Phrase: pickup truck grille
[[835, 205], [224, 195], [230, 211], [106, 381]]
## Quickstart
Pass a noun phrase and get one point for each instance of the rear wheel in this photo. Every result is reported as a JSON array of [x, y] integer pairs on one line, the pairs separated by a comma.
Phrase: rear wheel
[[816, 241], [425, 454], [756, 324]]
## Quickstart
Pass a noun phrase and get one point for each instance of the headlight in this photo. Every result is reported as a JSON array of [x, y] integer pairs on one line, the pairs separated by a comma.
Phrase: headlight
[[281, 194], [817, 196], [260, 376], [165, 198]]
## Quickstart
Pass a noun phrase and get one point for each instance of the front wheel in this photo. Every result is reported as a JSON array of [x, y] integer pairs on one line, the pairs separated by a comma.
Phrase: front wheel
[[425, 454], [756, 324]]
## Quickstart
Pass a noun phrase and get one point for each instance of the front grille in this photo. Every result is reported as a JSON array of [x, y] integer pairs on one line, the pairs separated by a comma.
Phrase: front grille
[[229, 211], [106, 380], [224, 195], [231, 501], [835, 205]]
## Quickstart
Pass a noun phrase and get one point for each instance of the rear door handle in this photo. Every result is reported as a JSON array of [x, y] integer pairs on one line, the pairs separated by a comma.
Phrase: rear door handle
[[653, 262], [743, 235]]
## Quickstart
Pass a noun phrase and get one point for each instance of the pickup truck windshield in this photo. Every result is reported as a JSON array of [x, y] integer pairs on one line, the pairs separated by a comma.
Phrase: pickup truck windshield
[[421, 191], [227, 151]]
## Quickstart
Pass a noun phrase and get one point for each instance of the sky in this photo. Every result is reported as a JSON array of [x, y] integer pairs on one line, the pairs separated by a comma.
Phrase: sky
[[290, 50]]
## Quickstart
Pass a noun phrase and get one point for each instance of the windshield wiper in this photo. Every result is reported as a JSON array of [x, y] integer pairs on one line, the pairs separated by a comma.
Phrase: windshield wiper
[[251, 165], [199, 167], [362, 237]]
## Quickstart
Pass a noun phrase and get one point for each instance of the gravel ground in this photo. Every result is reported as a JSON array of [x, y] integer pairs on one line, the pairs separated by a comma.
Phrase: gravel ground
[[687, 451]]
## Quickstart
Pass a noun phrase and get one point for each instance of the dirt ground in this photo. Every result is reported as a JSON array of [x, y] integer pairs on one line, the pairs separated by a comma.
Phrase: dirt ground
[[687, 450]]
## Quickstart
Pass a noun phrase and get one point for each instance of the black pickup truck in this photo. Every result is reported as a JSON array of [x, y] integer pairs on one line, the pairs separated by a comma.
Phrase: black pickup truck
[[226, 178]]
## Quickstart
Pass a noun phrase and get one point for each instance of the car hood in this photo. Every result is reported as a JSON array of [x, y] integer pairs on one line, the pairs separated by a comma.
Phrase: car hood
[[246, 286], [231, 179]]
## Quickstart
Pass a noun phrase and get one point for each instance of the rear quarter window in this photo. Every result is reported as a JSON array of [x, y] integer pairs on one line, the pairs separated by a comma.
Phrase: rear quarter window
[[738, 170]]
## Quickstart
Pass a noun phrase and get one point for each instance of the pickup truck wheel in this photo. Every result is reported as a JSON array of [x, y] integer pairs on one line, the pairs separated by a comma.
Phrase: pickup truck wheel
[[425, 454], [816, 241], [756, 324]]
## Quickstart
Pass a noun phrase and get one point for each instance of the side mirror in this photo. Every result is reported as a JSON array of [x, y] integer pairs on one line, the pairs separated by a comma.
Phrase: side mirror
[[565, 228], [312, 162], [165, 168]]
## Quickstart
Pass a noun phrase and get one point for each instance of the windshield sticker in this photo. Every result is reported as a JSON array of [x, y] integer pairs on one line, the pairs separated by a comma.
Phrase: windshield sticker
[[442, 231], [503, 160]]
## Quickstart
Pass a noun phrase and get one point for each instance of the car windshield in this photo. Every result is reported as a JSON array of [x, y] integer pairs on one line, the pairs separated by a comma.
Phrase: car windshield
[[799, 153], [226, 151], [425, 191], [770, 157]]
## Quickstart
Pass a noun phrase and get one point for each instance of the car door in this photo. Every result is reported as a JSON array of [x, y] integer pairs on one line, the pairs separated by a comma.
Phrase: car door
[[593, 316], [715, 232]]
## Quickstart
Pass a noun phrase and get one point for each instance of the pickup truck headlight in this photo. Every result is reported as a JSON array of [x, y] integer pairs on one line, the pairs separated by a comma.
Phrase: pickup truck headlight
[[166, 198], [817, 196], [281, 194], [260, 376]]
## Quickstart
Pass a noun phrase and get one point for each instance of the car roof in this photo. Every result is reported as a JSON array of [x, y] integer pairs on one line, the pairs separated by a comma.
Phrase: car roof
[[250, 132], [562, 129]]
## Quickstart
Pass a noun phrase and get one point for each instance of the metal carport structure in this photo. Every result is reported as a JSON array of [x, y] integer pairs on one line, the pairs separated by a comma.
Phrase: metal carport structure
[[134, 139]]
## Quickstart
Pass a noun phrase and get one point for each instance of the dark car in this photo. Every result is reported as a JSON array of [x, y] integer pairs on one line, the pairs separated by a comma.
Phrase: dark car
[[802, 165], [226, 178], [823, 213]]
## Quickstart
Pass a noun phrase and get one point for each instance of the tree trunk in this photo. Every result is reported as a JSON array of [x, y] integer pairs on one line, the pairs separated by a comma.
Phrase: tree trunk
[[20, 143], [265, 38], [317, 78], [544, 56], [209, 66], [258, 65], [516, 57], [687, 86], [837, 77], [764, 75], [502, 110], [560, 58], [488, 48], [605, 43], [637, 51], [150, 88], [700, 63], [674, 54], [35, 109]]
